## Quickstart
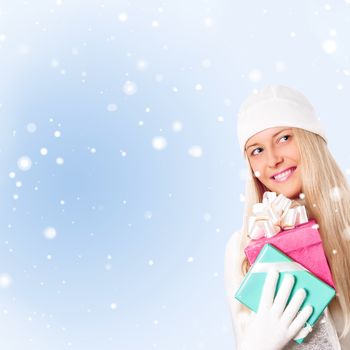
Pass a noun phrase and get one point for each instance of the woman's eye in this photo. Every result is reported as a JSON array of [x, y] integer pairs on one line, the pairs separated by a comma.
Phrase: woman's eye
[[256, 151], [284, 138]]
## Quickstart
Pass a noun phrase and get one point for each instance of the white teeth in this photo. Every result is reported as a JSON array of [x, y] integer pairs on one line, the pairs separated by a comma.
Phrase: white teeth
[[283, 176]]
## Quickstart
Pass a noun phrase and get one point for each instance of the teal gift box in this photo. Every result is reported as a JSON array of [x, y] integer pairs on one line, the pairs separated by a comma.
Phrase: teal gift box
[[318, 293]]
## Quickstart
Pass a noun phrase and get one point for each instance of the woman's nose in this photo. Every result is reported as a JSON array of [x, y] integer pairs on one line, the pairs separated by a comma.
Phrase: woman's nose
[[274, 159]]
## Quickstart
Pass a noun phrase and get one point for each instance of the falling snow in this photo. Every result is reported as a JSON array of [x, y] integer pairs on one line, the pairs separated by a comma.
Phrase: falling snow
[[5, 280], [329, 46], [177, 126], [122, 176], [129, 88], [24, 163], [335, 194], [31, 128], [159, 143], [195, 151], [50, 232]]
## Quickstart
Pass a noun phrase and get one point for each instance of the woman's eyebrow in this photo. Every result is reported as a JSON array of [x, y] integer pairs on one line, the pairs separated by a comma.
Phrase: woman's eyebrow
[[277, 133], [255, 144]]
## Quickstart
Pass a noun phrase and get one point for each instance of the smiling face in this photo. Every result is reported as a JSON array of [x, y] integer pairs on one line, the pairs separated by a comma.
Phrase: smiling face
[[274, 158]]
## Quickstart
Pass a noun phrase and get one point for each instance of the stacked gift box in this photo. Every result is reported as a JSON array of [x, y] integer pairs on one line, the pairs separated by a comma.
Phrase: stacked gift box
[[284, 238]]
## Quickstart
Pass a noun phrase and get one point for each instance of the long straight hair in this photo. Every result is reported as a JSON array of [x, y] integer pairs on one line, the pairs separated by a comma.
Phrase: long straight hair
[[327, 200]]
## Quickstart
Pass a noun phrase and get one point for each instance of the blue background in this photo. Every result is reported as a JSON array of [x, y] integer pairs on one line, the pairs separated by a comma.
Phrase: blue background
[[137, 259]]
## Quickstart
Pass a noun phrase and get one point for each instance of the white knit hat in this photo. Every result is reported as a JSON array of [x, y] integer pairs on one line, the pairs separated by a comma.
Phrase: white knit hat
[[276, 106]]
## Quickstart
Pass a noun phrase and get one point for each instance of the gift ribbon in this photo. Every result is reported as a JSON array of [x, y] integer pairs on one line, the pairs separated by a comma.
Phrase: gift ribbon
[[273, 215], [283, 266]]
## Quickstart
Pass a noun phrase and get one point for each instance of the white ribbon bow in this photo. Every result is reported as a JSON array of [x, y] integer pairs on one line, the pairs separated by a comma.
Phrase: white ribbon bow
[[273, 215]]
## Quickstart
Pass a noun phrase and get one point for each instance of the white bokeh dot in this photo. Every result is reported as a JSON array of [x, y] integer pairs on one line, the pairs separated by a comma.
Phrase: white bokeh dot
[[177, 126], [113, 306], [59, 161], [346, 233], [12, 175], [31, 127], [335, 194], [44, 151], [207, 217], [5, 280], [54, 63], [57, 133], [123, 17], [159, 143], [329, 46], [255, 75], [142, 65], [24, 163], [208, 22], [257, 173], [195, 151], [129, 88], [50, 232]]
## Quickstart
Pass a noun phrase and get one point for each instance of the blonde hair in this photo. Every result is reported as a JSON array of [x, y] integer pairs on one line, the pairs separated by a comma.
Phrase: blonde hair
[[327, 200]]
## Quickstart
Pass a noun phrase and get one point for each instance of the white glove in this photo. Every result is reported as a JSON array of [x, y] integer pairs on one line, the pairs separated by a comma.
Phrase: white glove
[[274, 324]]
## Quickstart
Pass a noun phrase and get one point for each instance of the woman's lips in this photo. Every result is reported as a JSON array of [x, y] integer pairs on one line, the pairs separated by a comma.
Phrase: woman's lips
[[283, 176]]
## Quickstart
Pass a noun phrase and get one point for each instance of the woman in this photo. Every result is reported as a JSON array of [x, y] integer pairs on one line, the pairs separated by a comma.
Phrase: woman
[[286, 152]]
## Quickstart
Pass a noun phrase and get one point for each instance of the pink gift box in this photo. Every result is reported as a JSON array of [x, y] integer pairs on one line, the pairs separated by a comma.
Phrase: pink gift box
[[302, 244]]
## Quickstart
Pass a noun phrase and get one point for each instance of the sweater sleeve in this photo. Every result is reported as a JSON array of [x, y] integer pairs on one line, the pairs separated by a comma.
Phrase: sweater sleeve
[[233, 278]]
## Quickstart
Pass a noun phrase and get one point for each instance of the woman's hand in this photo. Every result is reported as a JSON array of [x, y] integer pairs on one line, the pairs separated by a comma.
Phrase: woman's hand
[[274, 324]]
